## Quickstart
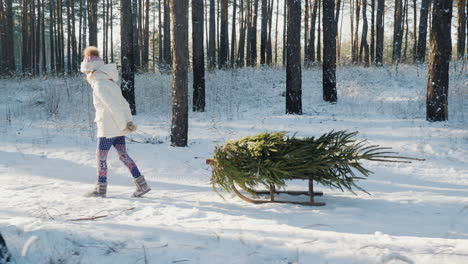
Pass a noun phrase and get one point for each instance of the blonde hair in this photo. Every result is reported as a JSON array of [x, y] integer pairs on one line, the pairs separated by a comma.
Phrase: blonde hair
[[91, 51]]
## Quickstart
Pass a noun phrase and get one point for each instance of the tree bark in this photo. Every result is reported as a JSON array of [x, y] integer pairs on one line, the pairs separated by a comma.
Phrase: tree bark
[[233, 34], [92, 22], [405, 29], [253, 39], [461, 29], [269, 46], [179, 127], [198, 56], [9, 45], [293, 61], [319, 33], [146, 37], [136, 41], [379, 47], [263, 34], [167, 35], [311, 53], [415, 33], [422, 36], [439, 61], [212, 36], [329, 52], [52, 39], [224, 36], [243, 26], [372, 41], [356, 58], [364, 45], [160, 38], [276, 32], [127, 52], [285, 15]]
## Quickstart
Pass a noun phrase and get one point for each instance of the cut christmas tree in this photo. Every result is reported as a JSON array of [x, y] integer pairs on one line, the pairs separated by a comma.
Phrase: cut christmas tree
[[270, 159]]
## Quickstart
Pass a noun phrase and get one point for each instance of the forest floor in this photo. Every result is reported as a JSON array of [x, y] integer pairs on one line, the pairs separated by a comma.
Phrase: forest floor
[[415, 213]]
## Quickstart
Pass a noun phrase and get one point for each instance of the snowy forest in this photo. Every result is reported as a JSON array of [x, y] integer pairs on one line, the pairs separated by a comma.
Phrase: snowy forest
[[257, 131]]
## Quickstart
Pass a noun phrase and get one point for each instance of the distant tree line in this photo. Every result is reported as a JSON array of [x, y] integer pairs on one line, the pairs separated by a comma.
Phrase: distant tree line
[[39, 37]]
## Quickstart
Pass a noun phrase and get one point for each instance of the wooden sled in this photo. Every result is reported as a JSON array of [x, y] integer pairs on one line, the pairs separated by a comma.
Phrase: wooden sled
[[273, 191]]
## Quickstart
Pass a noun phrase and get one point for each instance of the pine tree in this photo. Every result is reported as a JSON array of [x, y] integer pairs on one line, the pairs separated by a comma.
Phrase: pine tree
[[198, 56], [179, 127], [127, 53], [293, 61], [329, 52], [439, 61]]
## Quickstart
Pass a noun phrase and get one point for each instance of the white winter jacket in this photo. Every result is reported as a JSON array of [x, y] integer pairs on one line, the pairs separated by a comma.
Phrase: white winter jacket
[[112, 110]]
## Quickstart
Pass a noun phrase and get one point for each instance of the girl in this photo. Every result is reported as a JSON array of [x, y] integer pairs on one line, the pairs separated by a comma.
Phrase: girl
[[113, 119]]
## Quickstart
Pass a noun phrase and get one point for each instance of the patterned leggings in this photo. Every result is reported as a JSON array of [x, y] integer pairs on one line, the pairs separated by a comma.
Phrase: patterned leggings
[[104, 145]]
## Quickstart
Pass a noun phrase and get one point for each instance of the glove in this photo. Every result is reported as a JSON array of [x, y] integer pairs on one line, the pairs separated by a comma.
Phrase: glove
[[131, 127]]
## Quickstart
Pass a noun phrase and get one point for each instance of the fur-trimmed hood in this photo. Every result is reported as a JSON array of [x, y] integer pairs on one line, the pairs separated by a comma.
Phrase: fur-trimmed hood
[[99, 68]]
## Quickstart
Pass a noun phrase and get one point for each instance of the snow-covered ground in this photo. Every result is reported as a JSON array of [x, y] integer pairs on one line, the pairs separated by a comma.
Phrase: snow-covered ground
[[416, 213]]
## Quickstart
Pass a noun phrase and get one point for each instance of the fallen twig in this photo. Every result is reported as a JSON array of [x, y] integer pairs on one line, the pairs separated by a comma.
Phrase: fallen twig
[[98, 216]]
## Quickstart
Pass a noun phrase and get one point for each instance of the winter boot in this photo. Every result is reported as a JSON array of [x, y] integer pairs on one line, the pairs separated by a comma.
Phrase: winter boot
[[141, 186], [100, 190]]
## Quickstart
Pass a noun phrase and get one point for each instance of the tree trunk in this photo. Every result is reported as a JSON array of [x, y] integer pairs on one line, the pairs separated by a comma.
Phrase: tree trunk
[[111, 31], [74, 42], [422, 36], [415, 40], [306, 31], [167, 35], [263, 34], [311, 53], [233, 34], [69, 55], [243, 26], [198, 56], [179, 127], [224, 36], [285, 15], [141, 44], [104, 31], [85, 25], [329, 52], [43, 42], [319, 34], [127, 53], [439, 61], [405, 29], [356, 34], [9, 48], [80, 28], [160, 38], [2, 38], [364, 45], [136, 41], [379, 47], [253, 50], [92, 22], [293, 61], [372, 41], [52, 36], [269, 51], [212, 36], [276, 32], [461, 29], [146, 37]]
